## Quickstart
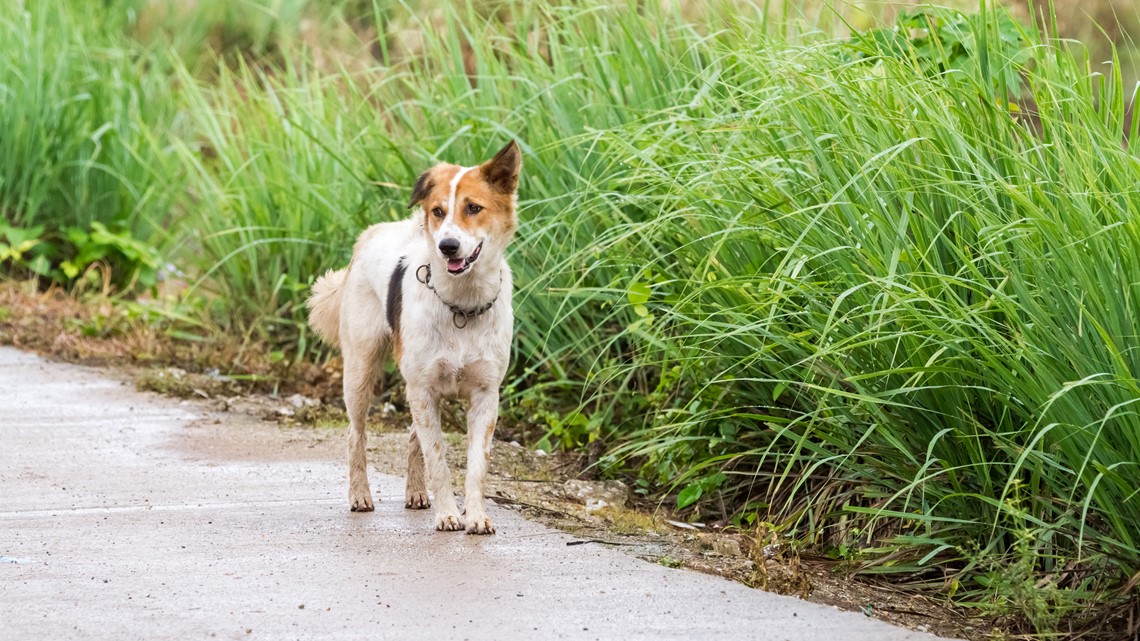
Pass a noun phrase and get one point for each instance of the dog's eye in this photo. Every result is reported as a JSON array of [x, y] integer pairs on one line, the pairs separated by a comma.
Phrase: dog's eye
[[472, 208], [437, 212]]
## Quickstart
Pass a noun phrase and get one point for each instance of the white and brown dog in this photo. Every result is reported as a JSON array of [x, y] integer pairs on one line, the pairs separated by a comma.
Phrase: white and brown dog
[[436, 289]]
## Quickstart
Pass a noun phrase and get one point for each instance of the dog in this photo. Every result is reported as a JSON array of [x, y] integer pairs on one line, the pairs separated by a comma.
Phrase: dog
[[434, 290]]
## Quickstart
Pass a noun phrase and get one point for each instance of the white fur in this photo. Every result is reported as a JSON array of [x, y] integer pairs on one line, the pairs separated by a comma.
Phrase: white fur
[[437, 360], [453, 185]]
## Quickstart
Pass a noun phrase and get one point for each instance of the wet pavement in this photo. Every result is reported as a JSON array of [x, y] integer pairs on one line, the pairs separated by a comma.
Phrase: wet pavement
[[126, 515]]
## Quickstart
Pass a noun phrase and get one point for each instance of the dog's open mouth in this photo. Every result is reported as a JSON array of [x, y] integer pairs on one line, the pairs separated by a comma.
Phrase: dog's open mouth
[[460, 265]]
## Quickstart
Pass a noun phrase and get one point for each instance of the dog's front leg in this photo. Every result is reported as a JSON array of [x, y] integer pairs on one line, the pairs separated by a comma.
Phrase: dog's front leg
[[425, 420], [482, 415]]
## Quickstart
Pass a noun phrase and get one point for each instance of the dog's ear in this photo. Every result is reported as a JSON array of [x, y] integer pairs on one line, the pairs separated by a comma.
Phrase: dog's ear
[[502, 171], [424, 185]]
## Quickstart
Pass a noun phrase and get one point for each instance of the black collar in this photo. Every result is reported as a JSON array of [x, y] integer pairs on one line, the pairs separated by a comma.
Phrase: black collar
[[423, 274]]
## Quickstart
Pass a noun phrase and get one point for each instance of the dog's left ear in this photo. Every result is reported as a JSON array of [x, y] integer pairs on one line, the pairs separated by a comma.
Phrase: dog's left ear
[[502, 171]]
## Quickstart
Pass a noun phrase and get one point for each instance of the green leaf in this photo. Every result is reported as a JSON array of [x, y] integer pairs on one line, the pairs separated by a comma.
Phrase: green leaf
[[638, 293], [544, 445], [40, 265], [779, 389], [70, 269], [689, 495], [710, 483]]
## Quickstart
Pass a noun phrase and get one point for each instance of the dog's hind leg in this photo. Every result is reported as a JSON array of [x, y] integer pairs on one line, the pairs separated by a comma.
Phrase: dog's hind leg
[[361, 368], [415, 493], [425, 421]]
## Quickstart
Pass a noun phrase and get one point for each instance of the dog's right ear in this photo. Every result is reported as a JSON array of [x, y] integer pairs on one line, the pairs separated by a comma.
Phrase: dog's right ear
[[502, 171], [424, 185]]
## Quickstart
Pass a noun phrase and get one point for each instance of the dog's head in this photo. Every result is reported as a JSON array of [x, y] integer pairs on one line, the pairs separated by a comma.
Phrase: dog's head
[[469, 212]]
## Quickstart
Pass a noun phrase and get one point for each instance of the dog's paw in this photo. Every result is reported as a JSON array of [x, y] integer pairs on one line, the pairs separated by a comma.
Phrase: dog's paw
[[417, 501], [448, 522], [361, 501], [479, 525]]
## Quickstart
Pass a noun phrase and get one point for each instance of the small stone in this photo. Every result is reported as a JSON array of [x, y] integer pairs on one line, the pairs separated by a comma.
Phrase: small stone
[[594, 504], [298, 401], [596, 494], [727, 546]]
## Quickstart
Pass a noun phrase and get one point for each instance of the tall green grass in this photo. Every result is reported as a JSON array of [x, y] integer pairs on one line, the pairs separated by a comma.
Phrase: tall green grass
[[80, 119], [282, 162], [825, 284]]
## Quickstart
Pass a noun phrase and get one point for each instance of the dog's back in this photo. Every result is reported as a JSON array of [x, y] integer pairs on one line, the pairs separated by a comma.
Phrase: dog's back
[[373, 250]]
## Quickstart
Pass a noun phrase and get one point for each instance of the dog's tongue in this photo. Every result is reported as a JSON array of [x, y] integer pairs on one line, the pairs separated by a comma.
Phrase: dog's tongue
[[454, 264]]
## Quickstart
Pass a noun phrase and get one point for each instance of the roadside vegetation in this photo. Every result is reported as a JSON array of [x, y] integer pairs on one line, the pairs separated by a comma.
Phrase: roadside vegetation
[[871, 291]]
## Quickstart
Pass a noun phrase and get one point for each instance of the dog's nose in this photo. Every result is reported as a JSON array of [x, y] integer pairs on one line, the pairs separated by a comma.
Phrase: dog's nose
[[448, 246]]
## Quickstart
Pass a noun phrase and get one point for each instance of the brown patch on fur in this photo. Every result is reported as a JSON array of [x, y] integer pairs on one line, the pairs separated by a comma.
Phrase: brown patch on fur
[[491, 185], [490, 433], [397, 346], [497, 218], [436, 197]]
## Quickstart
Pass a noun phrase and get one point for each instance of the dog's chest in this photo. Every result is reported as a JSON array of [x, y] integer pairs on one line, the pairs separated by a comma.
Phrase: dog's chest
[[454, 361], [450, 377], [453, 373]]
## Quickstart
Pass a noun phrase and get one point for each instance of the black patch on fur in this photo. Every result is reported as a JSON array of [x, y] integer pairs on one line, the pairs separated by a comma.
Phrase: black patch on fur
[[422, 188], [396, 295]]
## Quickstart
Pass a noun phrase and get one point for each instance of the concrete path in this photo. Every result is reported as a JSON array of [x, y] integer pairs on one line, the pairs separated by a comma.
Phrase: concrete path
[[125, 516]]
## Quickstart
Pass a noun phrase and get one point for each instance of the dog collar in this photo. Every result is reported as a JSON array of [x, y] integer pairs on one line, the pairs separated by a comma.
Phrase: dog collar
[[423, 274]]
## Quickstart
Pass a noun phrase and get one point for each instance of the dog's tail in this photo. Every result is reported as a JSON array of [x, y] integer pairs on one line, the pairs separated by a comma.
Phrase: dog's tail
[[324, 305]]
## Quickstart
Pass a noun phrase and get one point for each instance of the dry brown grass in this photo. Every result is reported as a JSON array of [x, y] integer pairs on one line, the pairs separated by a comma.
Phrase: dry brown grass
[[95, 329]]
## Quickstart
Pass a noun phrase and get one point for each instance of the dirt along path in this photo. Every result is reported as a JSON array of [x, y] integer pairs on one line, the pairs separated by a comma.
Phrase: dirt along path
[[125, 515]]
